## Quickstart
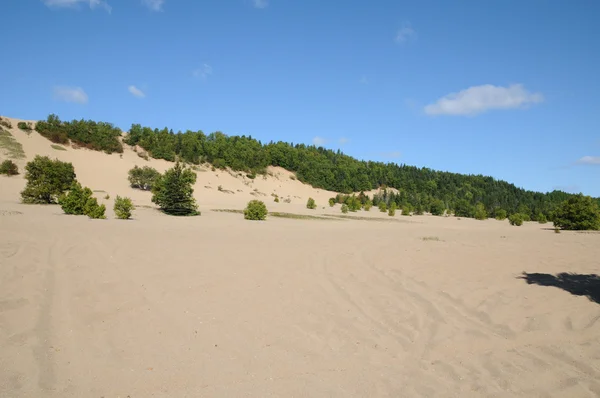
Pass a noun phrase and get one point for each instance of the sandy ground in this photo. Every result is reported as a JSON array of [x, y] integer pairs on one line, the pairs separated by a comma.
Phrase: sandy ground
[[218, 306]]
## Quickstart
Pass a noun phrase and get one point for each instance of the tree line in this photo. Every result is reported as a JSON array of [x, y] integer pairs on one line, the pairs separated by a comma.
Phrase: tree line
[[418, 189]]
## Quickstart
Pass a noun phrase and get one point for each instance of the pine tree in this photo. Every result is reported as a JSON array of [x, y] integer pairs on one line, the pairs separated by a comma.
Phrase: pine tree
[[173, 192]]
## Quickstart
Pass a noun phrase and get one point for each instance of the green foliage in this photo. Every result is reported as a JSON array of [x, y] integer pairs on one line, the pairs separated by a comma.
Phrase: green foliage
[[12, 146], [367, 205], [99, 136], [276, 199], [74, 201], [480, 213], [437, 207], [406, 210], [5, 123], [255, 210], [500, 214], [24, 126], [419, 210], [9, 168], [382, 207], [93, 210], [345, 208], [331, 202], [58, 147], [143, 178], [463, 208], [173, 192], [310, 204], [392, 209], [516, 219], [353, 203], [46, 180], [542, 219], [123, 208], [579, 212]]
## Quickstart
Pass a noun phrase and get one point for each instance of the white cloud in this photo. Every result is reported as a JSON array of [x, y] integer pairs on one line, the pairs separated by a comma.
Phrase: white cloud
[[202, 72], [390, 154], [260, 3], [405, 34], [154, 5], [70, 94], [479, 99], [343, 141], [319, 141], [136, 92], [75, 3], [589, 160]]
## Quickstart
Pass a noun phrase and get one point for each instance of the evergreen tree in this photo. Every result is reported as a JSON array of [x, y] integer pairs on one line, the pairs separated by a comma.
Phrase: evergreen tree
[[46, 180], [173, 192], [578, 213]]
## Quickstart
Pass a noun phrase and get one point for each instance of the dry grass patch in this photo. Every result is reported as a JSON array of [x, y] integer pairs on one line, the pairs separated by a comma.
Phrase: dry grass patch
[[12, 146], [58, 147]]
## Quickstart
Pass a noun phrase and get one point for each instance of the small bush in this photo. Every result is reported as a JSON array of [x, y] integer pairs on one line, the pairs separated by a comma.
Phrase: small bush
[[556, 230], [143, 178], [541, 218], [500, 214], [9, 168], [392, 209], [516, 219], [480, 213], [419, 210], [310, 204], [331, 202], [74, 201], [382, 207], [5, 123], [93, 210], [345, 208], [367, 205], [255, 210], [123, 208], [276, 199], [24, 126], [353, 203], [405, 210], [577, 213], [46, 180], [437, 207], [107, 197]]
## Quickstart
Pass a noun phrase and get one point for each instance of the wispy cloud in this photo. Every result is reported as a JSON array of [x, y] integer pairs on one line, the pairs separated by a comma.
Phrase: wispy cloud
[[589, 160], [479, 99], [136, 92], [389, 154], [76, 3], [202, 72], [405, 34], [154, 5], [70, 94], [343, 141], [319, 141], [260, 3]]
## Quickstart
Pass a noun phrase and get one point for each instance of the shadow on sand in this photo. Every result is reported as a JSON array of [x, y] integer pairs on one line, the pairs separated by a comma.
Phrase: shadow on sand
[[576, 284]]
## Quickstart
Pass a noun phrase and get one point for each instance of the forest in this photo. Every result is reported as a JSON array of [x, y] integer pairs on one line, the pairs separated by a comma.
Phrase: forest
[[418, 188]]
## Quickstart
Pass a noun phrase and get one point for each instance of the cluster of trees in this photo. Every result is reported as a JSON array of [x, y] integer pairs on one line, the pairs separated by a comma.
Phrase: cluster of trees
[[79, 201], [418, 189], [99, 136]]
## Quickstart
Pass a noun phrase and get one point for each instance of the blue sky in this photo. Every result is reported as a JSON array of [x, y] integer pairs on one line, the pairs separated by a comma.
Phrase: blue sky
[[503, 88]]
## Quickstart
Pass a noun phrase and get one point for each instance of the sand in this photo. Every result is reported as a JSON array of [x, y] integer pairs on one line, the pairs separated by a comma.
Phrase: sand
[[216, 306]]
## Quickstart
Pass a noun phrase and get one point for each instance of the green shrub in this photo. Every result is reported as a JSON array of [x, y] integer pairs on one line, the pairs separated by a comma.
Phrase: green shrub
[[382, 207], [392, 209], [24, 126], [419, 210], [516, 219], [344, 208], [353, 203], [405, 210], [46, 180], [463, 208], [143, 178], [276, 199], [367, 205], [93, 210], [500, 214], [9, 168], [255, 210], [480, 213], [123, 208], [331, 202], [310, 204], [173, 192], [75, 200], [577, 213], [5, 123], [437, 207], [541, 218]]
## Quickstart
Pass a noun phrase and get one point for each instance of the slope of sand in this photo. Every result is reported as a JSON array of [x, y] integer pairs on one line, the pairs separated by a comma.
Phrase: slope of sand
[[218, 306]]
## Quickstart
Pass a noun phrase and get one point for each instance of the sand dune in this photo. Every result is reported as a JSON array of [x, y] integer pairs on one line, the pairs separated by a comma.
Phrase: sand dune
[[218, 306]]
